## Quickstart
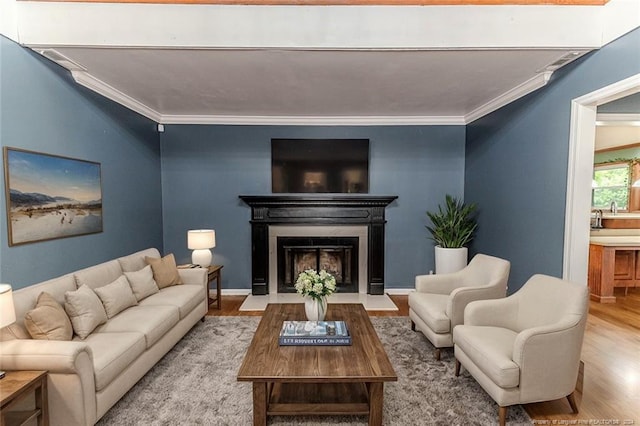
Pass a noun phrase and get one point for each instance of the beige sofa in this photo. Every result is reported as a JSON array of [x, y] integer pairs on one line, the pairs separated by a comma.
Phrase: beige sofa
[[87, 377]]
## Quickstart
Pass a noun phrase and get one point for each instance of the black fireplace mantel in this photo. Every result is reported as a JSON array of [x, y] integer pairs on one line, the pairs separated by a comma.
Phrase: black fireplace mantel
[[336, 210]]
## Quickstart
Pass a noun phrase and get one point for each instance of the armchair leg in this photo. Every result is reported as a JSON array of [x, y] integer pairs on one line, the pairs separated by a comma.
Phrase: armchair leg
[[436, 354], [502, 414], [572, 402], [413, 326], [457, 367]]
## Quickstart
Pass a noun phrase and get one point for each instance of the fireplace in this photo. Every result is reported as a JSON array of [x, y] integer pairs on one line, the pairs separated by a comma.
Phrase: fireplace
[[337, 256], [360, 218]]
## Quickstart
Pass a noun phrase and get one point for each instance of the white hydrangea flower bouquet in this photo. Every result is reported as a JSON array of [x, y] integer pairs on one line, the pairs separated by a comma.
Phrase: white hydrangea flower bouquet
[[316, 285]]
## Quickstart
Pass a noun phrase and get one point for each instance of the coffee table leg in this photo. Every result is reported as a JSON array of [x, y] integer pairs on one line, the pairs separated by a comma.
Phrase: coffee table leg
[[375, 403], [259, 403]]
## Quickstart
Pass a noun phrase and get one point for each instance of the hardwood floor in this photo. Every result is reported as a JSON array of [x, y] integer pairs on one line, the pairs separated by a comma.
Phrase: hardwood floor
[[610, 352]]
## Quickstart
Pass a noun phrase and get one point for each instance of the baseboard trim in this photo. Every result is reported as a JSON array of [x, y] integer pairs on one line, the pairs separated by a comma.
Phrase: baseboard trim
[[399, 291], [236, 291]]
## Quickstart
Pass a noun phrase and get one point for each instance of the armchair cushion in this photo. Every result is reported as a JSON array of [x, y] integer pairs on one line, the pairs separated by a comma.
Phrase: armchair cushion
[[431, 309], [496, 360]]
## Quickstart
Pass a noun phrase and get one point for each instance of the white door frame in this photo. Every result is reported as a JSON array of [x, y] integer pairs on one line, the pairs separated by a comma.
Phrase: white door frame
[[580, 174]]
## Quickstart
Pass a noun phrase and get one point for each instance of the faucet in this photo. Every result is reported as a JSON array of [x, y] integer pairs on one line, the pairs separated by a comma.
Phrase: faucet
[[614, 207], [598, 219]]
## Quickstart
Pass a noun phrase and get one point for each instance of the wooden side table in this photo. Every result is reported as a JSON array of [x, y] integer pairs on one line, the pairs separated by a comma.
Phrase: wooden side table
[[17, 385], [215, 273]]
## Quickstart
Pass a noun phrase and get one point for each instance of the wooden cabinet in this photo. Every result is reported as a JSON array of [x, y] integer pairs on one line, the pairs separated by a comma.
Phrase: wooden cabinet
[[610, 267], [627, 268]]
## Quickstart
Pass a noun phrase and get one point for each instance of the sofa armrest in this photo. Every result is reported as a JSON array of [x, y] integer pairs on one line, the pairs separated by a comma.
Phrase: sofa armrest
[[198, 276], [71, 380], [52, 355]]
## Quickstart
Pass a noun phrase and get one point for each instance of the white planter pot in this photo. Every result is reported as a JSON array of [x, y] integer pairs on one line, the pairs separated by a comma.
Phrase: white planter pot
[[450, 259]]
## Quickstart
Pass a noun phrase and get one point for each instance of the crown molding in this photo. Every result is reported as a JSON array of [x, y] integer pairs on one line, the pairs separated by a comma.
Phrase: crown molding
[[87, 80], [257, 120], [506, 98]]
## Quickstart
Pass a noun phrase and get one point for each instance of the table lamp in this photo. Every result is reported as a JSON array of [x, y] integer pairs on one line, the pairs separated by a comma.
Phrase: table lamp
[[7, 311], [200, 241]]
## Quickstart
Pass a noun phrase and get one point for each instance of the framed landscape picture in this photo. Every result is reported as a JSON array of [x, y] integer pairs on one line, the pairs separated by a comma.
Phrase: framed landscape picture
[[50, 197]]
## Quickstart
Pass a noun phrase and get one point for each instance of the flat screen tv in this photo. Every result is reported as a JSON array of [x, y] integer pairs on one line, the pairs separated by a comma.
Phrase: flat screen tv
[[320, 166]]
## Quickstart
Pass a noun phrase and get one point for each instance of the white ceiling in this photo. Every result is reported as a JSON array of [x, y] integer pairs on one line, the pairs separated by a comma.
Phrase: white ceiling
[[314, 65], [312, 82]]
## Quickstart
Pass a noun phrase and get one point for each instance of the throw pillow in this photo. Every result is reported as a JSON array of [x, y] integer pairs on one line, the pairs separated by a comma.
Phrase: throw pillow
[[165, 271], [142, 283], [85, 310], [48, 320], [116, 296]]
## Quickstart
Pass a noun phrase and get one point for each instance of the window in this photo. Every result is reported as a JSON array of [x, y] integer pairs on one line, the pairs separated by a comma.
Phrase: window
[[610, 183]]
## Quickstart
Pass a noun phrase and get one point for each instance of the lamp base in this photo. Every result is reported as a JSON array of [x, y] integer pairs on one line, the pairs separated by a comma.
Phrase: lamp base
[[201, 257]]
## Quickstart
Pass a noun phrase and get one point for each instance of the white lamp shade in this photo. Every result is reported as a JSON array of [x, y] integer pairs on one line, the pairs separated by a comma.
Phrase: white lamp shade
[[7, 310], [201, 239]]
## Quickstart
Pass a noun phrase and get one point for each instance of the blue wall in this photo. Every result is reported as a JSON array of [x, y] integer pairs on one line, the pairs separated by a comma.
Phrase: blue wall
[[516, 163], [206, 168], [43, 109]]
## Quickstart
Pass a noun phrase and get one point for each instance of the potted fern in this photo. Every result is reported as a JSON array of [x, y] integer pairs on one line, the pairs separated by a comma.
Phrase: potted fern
[[452, 229]]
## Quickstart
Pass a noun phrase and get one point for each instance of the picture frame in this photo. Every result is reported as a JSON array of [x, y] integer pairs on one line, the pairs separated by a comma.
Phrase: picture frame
[[50, 196]]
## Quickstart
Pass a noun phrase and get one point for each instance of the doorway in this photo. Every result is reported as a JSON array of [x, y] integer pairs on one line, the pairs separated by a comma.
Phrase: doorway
[[579, 174]]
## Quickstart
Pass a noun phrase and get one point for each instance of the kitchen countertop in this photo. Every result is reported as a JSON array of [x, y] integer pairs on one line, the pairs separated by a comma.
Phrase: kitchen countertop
[[616, 240]]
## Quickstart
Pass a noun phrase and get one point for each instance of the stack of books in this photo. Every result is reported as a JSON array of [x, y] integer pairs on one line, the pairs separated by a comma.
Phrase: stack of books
[[315, 333]]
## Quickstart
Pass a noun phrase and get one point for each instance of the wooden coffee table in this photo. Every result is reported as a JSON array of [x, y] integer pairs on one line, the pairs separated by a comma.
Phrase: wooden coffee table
[[308, 380]]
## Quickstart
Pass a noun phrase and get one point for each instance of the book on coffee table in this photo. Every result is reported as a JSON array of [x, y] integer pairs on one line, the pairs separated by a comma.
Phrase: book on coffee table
[[314, 333]]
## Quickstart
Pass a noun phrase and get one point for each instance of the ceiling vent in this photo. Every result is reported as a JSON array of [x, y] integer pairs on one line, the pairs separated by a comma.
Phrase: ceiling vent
[[60, 59], [562, 61]]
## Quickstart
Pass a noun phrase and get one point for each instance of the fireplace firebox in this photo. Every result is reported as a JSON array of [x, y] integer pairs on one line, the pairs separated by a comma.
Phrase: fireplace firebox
[[338, 256]]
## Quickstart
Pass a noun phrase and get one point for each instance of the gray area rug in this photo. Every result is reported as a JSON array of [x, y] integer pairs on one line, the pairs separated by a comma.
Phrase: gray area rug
[[195, 384]]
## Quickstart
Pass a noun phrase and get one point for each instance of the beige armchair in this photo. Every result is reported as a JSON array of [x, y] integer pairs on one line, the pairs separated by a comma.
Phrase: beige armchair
[[526, 347], [438, 303]]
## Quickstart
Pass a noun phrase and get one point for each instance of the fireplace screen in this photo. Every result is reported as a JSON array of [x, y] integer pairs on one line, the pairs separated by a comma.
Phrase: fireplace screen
[[338, 256]]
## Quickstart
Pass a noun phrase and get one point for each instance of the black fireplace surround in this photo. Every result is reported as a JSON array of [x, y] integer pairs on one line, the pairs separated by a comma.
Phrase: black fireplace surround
[[336, 210]]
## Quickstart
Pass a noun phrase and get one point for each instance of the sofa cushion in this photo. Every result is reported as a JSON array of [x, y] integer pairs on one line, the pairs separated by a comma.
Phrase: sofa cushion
[[431, 308], [24, 299], [165, 271], [142, 283], [116, 297], [48, 320], [98, 275], [185, 297], [151, 321], [495, 360], [85, 310], [135, 262], [112, 353]]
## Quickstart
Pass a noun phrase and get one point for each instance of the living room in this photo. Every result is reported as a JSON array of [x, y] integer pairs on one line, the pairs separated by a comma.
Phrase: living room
[[156, 185]]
